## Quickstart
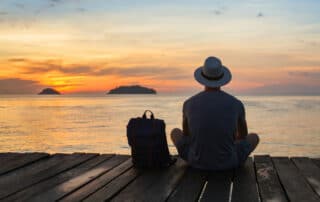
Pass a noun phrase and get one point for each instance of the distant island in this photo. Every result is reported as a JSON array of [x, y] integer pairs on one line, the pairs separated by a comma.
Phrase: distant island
[[136, 89], [49, 91]]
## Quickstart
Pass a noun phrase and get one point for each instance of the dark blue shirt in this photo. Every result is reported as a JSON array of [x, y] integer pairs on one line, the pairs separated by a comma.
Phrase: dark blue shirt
[[210, 121]]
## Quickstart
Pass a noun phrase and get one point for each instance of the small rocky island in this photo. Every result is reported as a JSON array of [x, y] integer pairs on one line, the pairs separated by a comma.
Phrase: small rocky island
[[49, 91], [136, 89]]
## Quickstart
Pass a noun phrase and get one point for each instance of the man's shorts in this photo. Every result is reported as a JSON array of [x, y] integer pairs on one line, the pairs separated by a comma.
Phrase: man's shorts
[[243, 149]]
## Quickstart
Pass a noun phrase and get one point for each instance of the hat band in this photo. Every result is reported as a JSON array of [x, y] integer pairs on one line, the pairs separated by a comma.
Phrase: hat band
[[212, 78]]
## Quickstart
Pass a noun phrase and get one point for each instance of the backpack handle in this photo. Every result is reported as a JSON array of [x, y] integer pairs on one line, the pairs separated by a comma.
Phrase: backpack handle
[[145, 114]]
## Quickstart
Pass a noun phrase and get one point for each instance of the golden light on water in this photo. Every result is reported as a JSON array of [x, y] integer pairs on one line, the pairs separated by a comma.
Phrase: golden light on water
[[287, 125]]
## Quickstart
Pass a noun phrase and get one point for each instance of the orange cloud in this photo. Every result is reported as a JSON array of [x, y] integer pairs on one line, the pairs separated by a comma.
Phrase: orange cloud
[[19, 86]]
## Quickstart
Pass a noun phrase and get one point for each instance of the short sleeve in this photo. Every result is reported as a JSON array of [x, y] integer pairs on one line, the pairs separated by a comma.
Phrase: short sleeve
[[185, 127], [185, 108], [242, 112]]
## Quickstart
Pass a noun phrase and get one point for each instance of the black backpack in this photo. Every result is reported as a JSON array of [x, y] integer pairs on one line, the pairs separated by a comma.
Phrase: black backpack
[[148, 142]]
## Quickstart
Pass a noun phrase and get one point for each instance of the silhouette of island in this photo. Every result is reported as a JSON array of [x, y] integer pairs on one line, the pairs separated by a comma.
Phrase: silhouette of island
[[49, 91], [136, 89]]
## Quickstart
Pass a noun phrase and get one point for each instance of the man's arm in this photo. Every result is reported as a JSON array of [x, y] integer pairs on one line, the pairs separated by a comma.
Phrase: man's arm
[[242, 130], [185, 128]]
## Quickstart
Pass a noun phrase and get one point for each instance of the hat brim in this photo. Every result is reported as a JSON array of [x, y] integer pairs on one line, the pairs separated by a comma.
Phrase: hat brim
[[213, 83]]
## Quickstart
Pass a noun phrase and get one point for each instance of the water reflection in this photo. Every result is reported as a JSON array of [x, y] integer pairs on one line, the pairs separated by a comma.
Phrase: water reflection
[[287, 125]]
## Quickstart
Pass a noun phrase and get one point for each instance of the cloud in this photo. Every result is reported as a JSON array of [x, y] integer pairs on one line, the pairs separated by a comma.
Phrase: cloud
[[306, 74], [311, 43], [34, 67], [56, 1], [50, 4], [77, 70], [260, 15], [158, 73], [17, 59], [53, 3], [19, 86], [217, 12], [136, 71], [285, 89], [276, 60], [19, 5], [37, 70], [58, 68], [81, 10]]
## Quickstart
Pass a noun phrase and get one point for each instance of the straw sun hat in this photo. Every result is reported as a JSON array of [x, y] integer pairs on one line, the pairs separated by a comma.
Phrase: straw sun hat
[[213, 73]]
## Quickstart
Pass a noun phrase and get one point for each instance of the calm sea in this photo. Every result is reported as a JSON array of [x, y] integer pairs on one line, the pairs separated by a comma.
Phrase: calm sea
[[288, 125]]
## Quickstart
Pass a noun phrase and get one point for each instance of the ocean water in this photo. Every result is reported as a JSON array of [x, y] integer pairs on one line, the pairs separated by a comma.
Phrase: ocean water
[[287, 125]]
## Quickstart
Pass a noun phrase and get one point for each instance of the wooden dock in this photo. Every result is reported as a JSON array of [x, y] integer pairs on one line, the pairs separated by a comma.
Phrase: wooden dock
[[108, 177]]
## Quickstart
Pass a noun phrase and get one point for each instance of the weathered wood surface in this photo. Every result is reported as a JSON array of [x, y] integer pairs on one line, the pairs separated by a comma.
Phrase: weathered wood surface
[[99, 182], [316, 161], [190, 186], [62, 177], [295, 185], [107, 177], [27, 176], [11, 161], [75, 183], [217, 186], [244, 183], [110, 190], [310, 171], [269, 185]]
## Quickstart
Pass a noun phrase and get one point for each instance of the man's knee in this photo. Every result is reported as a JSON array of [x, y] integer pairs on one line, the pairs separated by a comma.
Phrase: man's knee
[[176, 133], [253, 139]]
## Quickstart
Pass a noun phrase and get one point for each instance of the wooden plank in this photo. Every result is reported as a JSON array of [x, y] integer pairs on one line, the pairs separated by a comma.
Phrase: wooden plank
[[153, 186], [53, 168], [6, 154], [162, 189], [295, 185], [244, 183], [99, 182], [317, 162], [6, 158], [190, 186], [218, 186], [268, 182], [19, 160], [114, 187], [75, 183], [62, 177], [9, 154], [310, 171], [8, 181]]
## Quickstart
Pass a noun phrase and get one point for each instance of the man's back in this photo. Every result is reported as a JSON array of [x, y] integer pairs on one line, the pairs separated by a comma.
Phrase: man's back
[[215, 133], [211, 119]]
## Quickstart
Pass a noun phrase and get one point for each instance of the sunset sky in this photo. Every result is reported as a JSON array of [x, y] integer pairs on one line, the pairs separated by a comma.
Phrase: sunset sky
[[79, 46]]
